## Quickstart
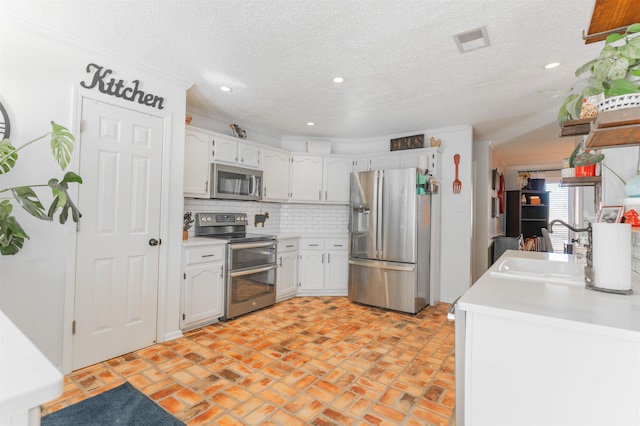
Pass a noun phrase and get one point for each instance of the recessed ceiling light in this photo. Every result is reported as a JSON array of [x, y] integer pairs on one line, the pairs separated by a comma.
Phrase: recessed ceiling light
[[225, 88], [338, 80], [311, 124], [552, 65]]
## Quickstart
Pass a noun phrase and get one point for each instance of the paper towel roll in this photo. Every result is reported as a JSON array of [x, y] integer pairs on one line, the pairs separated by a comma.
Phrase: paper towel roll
[[612, 256]]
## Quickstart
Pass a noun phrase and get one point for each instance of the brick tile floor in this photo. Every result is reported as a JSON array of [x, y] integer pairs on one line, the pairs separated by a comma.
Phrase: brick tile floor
[[307, 360]]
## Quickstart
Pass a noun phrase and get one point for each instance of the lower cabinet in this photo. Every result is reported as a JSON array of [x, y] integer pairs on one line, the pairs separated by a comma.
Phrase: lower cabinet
[[203, 285], [287, 277], [324, 264]]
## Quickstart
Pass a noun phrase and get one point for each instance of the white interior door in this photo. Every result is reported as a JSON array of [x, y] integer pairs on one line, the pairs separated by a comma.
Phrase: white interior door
[[117, 259]]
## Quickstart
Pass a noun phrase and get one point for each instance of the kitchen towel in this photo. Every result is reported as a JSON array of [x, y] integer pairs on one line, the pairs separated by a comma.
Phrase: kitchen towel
[[612, 256]]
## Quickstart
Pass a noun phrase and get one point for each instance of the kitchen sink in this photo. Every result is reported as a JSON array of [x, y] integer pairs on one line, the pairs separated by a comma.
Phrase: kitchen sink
[[540, 270]]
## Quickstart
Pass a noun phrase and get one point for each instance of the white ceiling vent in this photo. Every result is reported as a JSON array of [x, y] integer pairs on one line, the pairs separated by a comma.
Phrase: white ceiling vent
[[472, 40]]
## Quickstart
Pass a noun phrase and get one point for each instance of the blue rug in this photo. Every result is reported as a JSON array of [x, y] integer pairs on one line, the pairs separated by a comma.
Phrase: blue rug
[[123, 405]]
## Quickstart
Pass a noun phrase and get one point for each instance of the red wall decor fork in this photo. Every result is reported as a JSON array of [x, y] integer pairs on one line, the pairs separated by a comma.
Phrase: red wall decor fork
[[457, 184]]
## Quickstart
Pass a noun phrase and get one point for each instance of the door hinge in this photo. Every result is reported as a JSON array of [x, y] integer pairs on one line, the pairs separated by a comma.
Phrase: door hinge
[[82, 126], [73, 327]]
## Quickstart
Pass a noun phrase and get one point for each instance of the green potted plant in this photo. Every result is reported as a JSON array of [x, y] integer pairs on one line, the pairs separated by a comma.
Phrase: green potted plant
[[585, 163], [12, 235], [186, 224], [613, 73]]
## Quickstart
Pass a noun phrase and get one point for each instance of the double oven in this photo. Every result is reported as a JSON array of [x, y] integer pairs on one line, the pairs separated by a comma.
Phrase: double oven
[[250, 282]]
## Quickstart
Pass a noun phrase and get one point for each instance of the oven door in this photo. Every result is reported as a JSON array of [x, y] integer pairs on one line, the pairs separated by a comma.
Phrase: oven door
[[251, 277]]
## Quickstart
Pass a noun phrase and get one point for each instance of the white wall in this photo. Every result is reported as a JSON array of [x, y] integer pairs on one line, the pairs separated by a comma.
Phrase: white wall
[[40, 75], [485, 227]]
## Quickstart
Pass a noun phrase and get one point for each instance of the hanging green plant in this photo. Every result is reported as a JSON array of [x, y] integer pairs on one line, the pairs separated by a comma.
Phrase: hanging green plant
[[614, 72], [12, 235]]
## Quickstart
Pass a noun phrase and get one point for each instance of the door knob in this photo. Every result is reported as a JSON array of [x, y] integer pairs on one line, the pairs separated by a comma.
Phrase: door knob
[[153, 242]]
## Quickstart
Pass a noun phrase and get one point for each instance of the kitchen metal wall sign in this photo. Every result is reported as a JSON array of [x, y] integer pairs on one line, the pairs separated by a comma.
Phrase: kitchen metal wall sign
[[118, 88]]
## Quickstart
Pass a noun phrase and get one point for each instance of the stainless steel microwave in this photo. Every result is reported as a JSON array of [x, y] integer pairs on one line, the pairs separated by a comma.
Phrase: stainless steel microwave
[[235, 183]]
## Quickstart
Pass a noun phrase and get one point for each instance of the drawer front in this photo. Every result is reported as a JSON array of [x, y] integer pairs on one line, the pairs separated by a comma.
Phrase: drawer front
[[312, 244], [336, 243], [204, 254], [288, 245]]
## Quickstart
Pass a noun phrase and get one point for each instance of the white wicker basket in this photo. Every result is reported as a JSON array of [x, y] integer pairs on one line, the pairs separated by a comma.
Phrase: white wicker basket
[[620, 102]]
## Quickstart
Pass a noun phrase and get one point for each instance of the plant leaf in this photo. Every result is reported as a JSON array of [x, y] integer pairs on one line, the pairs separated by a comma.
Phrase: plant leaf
[[586, 67], [631, 51], [621, 87], [8, 156], [30, 202], [635, 28], [61, 144], [12, 235], [61, 200], [612, 38]]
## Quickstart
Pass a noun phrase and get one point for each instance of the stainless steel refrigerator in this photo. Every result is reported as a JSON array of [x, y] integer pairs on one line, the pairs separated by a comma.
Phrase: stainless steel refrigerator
[[390, 232]]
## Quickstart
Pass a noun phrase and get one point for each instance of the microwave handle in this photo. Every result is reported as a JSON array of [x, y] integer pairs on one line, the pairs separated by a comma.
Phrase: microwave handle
[[252, 185]]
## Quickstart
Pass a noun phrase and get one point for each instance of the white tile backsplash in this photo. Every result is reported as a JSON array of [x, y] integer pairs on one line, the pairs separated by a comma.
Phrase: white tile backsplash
[[283, 218]]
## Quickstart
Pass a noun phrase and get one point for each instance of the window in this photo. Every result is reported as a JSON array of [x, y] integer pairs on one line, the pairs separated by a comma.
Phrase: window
[[558, 209]]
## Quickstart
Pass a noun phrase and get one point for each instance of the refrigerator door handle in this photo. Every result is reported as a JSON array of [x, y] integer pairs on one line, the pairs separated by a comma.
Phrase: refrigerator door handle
[[380, 236], [379, 266]]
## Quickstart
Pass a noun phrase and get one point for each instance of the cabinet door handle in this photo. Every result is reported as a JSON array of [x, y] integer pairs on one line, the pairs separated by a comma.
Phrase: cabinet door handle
[[322, 257], [326, 195], [289, 245], [222, 271], [206, 186], [320, 195], [314, 245], [208, 255], [328, 257]]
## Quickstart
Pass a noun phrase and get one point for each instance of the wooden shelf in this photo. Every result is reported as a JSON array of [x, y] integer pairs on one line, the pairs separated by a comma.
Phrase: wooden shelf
[[576, 127], [581, 181], [615, 129], [610, 129]]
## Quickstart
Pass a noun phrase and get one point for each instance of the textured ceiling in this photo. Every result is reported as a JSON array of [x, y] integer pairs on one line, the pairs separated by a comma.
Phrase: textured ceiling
[[402, 69]]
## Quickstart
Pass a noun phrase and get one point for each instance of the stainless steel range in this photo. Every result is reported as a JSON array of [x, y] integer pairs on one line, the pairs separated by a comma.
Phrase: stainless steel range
[[251, 267]]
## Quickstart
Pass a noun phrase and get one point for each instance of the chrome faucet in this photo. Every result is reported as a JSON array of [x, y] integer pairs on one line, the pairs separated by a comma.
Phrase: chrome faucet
[[588, 270]]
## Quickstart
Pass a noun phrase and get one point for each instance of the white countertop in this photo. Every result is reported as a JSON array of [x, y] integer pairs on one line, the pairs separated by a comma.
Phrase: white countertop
[[27, 378], [550, 302]]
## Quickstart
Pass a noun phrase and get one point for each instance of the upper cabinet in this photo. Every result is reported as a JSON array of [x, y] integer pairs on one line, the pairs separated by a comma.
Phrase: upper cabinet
[[233, 151], [321, 179], [275, 166], [306, 177], [422, 158], [196, 163]]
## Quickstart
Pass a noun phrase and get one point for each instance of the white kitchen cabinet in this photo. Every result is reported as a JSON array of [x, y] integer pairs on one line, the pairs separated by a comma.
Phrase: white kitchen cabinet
[[323, 266], [390, 160], [203, 285], [336, 171], [275, 166], [306, 177], [232, 151], [524, 343], [196, 163], [287, 277], [429, 157], [322, 179]]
